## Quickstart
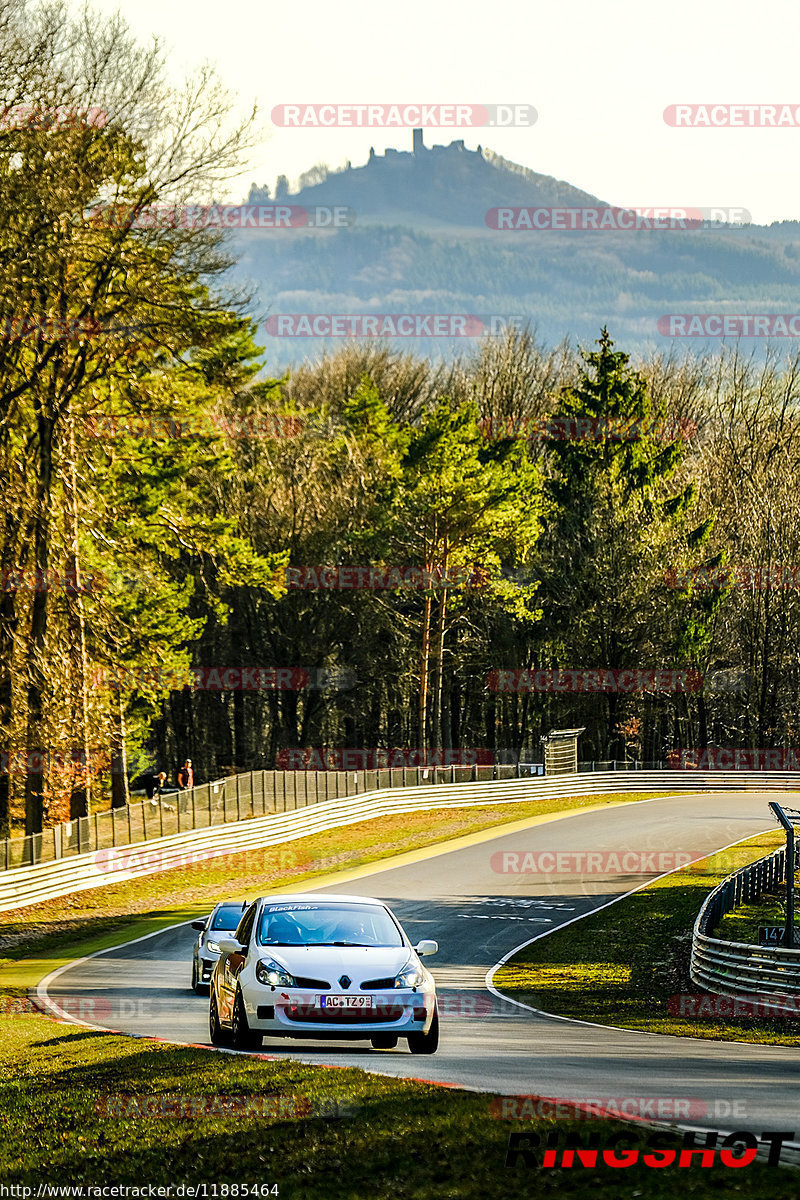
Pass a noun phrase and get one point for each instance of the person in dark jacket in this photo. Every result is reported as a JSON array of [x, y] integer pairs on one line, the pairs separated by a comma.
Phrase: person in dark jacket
[[186, 775], [154, 784]]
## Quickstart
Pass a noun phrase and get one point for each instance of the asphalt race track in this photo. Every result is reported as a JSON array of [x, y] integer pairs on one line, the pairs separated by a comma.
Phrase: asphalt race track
[[478, 914]]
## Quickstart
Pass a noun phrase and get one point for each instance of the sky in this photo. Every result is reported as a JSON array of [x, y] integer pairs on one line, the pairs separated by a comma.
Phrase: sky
[[598, 75]]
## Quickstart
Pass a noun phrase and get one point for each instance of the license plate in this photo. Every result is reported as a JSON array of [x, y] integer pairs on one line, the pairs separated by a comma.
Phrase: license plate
[[345, 1001]]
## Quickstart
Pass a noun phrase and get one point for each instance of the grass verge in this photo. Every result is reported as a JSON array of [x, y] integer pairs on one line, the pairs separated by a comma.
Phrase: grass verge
[[742, 924], [624, 963], [391, 1140], [71, 1100]]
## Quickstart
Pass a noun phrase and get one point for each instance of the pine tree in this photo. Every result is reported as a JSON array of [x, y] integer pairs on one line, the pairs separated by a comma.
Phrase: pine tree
[[618, 518]]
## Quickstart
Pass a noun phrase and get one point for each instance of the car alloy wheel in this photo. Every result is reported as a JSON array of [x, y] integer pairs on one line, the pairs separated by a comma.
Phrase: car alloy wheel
[[242, 1035], [215, 1030]]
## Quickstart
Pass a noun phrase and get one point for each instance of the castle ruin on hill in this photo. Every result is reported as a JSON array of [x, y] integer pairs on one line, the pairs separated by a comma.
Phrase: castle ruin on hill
[[418, 149]]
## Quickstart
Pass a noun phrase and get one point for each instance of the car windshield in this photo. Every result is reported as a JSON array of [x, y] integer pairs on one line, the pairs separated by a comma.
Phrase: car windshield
[[327, 925], [227, 916]]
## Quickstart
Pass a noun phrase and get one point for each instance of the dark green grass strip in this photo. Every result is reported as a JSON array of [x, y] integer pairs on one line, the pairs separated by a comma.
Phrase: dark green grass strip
[[623, 964]]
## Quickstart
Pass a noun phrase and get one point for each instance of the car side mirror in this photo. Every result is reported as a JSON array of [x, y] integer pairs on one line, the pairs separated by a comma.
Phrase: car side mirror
[[428, 946], [229, 945], [199, 925]]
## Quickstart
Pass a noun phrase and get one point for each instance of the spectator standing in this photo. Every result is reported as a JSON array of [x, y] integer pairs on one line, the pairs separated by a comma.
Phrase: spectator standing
[[186, 775]]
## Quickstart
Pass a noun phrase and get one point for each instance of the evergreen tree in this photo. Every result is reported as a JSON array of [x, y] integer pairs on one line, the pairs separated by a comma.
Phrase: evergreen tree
[[619, 516]]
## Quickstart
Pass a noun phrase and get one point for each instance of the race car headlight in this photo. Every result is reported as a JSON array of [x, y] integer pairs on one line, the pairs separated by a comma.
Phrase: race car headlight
[[271, 973], [410, 976], [213, 947]]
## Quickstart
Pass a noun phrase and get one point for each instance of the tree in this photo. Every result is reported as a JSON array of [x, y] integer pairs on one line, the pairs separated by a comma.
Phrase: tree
[[64, 278], [748, 579], [464, 502], [619, 510]]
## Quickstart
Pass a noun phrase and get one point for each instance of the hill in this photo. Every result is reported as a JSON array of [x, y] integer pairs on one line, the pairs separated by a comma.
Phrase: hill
[[419, 243]]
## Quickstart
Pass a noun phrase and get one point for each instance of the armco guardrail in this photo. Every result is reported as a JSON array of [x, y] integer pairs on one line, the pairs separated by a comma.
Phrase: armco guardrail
[[256, 793], [740, 968], [46, 881], [250, 794]]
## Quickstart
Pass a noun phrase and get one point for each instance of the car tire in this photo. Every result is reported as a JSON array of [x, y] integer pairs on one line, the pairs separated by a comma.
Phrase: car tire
[[215, 1030], [196, 984], [242, 1036], [426, 1043], [383, 1041]]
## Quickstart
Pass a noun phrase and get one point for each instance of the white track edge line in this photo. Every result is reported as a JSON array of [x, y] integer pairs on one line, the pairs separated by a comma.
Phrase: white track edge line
[[540, 1012]]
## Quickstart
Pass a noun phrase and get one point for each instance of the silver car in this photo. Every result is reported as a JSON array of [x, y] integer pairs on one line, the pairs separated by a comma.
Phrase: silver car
[[224, 919]]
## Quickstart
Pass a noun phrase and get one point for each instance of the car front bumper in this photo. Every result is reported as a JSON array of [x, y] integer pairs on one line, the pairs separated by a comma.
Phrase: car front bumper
[[290, 1012]]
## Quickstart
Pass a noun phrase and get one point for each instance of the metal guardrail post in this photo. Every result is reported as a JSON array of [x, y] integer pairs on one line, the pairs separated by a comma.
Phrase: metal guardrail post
[[739, 968], [789, 871]]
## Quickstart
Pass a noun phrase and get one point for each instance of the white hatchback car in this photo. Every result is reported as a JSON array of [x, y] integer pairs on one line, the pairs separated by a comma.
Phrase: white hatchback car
[[323, 967]]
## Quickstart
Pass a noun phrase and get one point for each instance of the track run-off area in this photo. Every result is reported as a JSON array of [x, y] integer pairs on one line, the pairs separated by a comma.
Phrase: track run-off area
[[480, 910]]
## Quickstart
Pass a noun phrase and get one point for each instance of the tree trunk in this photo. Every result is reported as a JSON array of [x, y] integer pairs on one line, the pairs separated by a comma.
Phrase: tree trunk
[[8, 626], [702, 721], [453, 711], [120, 795], [80, 800], [438, 654], [241, 756], [159, 738], [34, 772], [423, 673], [438, 667]]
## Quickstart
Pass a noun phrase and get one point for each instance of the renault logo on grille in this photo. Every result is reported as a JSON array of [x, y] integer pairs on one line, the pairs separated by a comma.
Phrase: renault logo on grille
[[345, 981]]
